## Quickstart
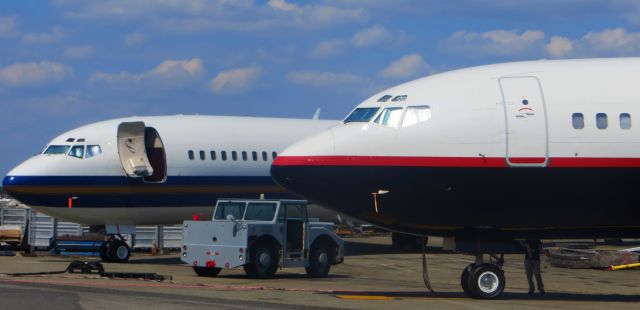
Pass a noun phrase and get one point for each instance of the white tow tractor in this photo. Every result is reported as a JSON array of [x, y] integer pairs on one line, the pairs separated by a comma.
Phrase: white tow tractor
[[261, 235]]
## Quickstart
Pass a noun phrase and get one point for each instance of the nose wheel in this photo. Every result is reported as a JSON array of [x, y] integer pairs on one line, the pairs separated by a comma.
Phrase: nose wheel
[[483, 280], [115, 250]]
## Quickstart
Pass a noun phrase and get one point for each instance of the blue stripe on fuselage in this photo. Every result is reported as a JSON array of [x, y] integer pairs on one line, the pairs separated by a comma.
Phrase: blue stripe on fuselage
[[176, 191]]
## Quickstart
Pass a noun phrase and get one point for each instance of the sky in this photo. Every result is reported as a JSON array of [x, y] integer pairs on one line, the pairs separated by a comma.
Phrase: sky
[[67, 63]]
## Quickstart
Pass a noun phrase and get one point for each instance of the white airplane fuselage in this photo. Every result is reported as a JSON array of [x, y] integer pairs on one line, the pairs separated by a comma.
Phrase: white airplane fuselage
[[517, 150], [155, 170]]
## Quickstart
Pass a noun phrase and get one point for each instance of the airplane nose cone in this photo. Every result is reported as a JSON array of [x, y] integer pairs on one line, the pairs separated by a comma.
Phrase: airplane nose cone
[[291, 168]]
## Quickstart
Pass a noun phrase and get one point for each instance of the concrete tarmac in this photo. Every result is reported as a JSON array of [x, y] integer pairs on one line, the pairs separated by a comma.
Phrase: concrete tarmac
[[373, 276]]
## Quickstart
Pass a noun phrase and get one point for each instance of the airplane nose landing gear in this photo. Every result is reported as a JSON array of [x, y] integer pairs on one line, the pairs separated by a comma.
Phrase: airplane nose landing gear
[[484, 280], [115, 250]]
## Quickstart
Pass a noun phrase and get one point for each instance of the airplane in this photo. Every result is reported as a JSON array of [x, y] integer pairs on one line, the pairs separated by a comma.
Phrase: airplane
[[157, 170], [486, 157]]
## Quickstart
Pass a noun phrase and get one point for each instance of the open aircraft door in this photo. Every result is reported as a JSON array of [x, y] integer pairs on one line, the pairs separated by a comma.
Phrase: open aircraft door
[[526, 121], [131, 149]]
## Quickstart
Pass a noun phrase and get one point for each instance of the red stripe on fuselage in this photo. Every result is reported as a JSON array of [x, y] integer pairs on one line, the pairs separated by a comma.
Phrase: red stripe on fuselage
[[479, 162]]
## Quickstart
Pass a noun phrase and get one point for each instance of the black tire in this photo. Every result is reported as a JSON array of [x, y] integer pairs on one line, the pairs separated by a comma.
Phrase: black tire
[[319, 260], [248, 269], [118, 251], [486, 281], [206, 272], [264, 260], [464, 279], [104, 252]]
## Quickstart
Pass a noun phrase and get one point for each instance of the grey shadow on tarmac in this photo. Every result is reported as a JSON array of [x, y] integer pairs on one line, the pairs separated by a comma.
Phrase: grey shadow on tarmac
[[505, 296]]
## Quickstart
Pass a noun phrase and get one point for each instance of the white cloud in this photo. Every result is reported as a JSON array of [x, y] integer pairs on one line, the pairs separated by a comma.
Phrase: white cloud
[[135, 38], [77, 52], [8, 26], [328, 48], [33, 73], [322, 79], [371, 36], [559, 46], [616, 41], [235, 80], [495, 42], [283, 5], [55, 35], [408, 66], [169, 73], [200, 15]]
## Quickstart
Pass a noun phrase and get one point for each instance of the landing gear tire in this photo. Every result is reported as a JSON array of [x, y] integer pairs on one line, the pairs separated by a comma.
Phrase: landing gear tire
[[464, 279], [319, 260], [206, 272], [119, 251], [104, 250], [264, 260], [485, 281], [115, 251]]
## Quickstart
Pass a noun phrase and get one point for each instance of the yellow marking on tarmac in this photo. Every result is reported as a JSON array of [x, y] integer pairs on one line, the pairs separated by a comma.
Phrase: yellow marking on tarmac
[[365, 297]]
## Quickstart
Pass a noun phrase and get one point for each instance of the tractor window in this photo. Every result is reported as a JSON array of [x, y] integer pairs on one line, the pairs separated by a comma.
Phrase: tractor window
[[294, 212], [260, 211], [225, 208]]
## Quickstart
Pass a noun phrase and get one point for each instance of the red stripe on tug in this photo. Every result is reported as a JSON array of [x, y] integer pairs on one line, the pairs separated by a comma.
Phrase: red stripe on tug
[[479, 162]]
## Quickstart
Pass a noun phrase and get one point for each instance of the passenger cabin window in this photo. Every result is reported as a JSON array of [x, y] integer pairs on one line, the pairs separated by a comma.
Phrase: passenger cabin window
[[577, 120], [191, 156], [265, 157], [93, 150], [385, 98], [254, 155], [389, 117], [601, 121], [244, 155], [274, 155], [57, 149], [213, 155], [77, 151], [202, 156], [625, 121], [223, 154], [416, 115], [260, 211], [225, 209], [362, 115], [234, 155]]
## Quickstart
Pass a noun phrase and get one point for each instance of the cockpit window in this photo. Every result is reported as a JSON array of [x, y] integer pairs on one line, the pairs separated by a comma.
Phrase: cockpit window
[[77, 151], [416, 114], [361, 115], [399, 98], [93, 150], [57, 149], [389, 117], [385, 98]]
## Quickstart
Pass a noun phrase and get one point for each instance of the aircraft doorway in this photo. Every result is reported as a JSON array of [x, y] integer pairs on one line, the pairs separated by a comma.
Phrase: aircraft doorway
[[526, 121], [142, 152]]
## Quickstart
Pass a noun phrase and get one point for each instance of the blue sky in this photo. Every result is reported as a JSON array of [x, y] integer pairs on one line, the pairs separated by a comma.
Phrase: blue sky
[[71, 62]]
